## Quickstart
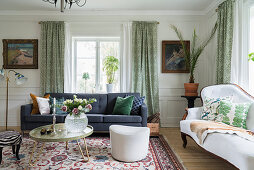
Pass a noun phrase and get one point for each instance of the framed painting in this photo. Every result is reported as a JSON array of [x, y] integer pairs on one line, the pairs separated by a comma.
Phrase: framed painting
[[20, 53], [173, 60]]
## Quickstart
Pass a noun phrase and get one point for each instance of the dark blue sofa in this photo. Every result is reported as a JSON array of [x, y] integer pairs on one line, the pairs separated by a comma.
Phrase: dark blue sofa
[[100, 117]]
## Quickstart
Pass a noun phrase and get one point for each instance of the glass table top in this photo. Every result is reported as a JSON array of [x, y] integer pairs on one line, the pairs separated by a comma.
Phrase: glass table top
[[61, 134]]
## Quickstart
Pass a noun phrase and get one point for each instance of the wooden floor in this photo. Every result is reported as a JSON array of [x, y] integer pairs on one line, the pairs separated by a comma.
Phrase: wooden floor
[[193, 157]]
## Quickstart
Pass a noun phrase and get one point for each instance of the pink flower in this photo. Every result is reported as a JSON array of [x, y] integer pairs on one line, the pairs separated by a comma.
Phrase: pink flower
[[64, 108], [75, 111], [89, 106]]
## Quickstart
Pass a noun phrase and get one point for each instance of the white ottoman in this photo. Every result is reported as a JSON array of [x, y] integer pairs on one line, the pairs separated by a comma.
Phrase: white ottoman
[[129, 144]]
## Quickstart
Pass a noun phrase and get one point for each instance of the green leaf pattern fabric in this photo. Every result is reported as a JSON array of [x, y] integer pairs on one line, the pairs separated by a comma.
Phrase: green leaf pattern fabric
[[145, 63], [211, 106], [52, 57], [234, 114], [224, 41]]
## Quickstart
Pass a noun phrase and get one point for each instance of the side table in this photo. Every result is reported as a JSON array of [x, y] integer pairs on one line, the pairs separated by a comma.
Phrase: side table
[[191, 100]]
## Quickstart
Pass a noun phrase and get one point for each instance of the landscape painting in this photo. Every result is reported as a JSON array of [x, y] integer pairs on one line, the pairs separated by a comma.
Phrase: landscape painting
[[173, 60], [20, 54]]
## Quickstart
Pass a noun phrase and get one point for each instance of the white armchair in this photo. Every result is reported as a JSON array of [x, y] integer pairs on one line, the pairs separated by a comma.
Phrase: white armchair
[[236, 150]]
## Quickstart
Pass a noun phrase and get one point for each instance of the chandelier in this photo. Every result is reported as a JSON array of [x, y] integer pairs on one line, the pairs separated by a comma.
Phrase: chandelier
[[67, 3]]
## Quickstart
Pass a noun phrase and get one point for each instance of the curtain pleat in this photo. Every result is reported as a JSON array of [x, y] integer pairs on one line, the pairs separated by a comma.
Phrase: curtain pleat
[[225, 41], [145, 63], [52, 57]]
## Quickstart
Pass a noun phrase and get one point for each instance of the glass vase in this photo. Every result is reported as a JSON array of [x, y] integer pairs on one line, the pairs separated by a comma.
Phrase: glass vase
[[76, 123]]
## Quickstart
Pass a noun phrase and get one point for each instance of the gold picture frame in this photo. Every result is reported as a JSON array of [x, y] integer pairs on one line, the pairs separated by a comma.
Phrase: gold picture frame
[[20, 53]]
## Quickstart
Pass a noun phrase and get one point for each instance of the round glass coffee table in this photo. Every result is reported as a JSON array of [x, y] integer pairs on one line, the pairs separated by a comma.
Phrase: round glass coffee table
[[61, 135]]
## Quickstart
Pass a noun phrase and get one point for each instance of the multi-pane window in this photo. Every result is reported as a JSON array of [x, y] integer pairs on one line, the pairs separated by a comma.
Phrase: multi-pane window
[[89, 56], [251, 50]]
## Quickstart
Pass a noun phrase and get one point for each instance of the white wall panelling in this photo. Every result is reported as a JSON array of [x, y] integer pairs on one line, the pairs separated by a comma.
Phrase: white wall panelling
[[171, 85]]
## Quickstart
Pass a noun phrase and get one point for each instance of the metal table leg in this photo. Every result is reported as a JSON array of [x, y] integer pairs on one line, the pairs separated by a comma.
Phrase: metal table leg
[[31, 161]]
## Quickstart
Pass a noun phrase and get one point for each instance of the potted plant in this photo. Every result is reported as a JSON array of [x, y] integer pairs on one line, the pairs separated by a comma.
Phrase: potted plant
[[86, 77], [192, 56], [251, 56], [110, 65]]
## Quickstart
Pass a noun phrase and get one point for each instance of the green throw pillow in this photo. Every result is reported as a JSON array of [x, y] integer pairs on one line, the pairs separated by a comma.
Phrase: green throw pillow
[[234, 114], [123, 105], [59, 104], [210, 107]]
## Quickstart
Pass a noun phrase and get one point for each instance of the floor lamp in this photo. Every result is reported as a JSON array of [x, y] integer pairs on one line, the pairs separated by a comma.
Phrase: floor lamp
[[19, 79]]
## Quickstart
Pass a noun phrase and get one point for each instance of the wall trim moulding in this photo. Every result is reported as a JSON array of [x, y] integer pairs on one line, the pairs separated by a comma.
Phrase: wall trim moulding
[[105, 12]]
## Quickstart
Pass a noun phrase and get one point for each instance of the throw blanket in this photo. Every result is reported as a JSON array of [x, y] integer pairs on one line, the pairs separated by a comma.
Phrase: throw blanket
[[203, 128]]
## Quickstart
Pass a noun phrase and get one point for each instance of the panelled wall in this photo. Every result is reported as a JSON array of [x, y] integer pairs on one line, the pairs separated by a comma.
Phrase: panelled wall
[[170, 84]]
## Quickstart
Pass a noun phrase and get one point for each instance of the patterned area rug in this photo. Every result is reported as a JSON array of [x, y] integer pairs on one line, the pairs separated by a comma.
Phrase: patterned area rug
[[55, 156]]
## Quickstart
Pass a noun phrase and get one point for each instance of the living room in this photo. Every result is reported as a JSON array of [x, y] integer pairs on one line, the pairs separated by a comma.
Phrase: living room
[[153, 58]]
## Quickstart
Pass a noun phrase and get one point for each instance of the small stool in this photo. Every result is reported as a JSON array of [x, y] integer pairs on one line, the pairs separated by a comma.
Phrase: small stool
[[10, 138], [129, 144]]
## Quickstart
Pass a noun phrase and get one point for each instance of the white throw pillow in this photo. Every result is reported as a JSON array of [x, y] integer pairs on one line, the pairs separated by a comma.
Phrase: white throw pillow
[[210, 107], [43, 105]]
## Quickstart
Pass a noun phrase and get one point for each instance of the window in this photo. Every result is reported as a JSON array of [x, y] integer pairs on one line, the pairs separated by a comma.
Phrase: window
[[251, 50], [89, 54]]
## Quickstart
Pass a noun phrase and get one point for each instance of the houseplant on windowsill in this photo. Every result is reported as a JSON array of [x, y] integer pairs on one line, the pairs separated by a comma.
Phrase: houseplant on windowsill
[[76, 120], [192, 56], [251, 56], [86, 77], [110, 65]]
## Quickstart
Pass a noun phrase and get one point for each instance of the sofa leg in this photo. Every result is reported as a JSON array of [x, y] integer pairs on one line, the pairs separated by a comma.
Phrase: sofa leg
[[184, 139]]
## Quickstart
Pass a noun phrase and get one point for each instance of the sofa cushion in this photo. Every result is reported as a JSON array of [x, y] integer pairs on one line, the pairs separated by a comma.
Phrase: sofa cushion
[[210, 107], [233, 114], [123, 105], [95, 118], [35, 109], [112, 100], [137, 103], [122, 118], [98, 107], [45, 118]]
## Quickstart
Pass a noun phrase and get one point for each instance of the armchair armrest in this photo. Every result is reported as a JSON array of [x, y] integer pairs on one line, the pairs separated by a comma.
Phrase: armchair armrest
[[193, 113], [144, 113]]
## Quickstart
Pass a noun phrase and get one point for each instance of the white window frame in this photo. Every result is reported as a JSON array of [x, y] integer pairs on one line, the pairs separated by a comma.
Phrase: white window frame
[[97, 40]]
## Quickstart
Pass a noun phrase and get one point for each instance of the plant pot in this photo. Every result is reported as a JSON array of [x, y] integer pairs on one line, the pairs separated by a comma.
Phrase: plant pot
[[191, 89], [109, 88], [76, 123]]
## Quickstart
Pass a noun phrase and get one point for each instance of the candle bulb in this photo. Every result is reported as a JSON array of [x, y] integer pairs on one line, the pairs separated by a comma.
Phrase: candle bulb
[[54, 115], [54, 108]]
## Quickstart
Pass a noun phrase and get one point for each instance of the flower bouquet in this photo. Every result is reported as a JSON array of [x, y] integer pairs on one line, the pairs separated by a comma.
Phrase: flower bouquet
[[76, 120]]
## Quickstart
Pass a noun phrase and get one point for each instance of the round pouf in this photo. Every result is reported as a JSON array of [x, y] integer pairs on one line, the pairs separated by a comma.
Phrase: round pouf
[[129, 144]]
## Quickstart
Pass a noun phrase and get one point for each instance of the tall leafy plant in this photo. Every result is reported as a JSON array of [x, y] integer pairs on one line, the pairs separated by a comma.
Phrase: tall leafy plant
[[192, 56], [251, 56], [110, 65]]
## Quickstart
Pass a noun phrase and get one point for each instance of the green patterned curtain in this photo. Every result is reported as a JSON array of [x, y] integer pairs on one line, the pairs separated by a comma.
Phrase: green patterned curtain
[[145, 63], [224, 41], [52, 57]]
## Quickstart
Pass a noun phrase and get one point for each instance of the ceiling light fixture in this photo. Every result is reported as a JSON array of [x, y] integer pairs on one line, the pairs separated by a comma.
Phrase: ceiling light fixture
[[65, 3]]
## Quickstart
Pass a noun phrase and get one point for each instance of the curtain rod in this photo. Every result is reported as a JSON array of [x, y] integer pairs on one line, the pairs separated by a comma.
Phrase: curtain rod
[[157, 22]]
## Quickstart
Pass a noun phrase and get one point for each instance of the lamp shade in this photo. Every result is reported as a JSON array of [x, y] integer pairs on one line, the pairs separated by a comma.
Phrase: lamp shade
[[1, 75], [20, 78]]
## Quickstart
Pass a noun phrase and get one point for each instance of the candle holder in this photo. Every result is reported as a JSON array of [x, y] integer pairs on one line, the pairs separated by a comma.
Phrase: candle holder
[[54, 116]]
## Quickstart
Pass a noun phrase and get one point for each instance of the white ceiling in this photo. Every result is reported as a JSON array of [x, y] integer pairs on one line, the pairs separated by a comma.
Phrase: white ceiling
[[106, 5]]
